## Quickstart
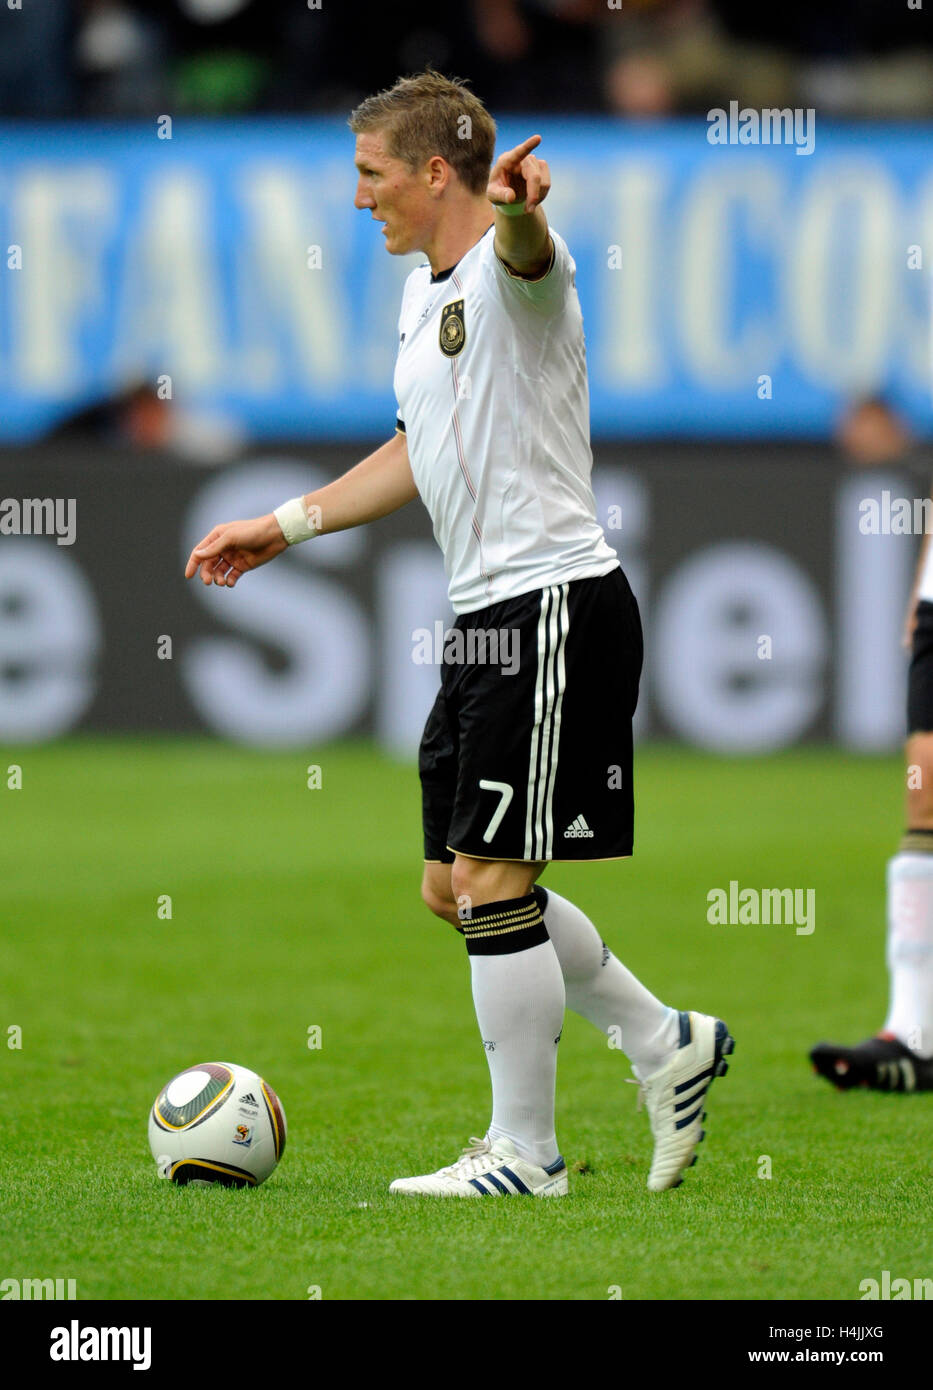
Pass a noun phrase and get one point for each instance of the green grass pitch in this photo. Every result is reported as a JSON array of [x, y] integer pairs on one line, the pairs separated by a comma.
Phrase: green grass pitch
[[294, 908]]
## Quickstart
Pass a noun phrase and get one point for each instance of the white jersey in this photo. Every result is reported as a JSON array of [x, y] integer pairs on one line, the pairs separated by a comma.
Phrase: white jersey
[[493, 399]]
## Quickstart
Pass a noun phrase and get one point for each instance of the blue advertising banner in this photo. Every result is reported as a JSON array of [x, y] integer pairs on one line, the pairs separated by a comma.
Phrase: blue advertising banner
[[728, 288]]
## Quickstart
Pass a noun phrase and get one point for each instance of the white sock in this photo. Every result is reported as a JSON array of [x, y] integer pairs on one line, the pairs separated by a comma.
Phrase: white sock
[[601, 989], [519, 999], [910, 951]]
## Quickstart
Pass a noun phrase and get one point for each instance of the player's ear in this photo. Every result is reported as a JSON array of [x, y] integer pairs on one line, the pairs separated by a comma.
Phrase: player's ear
[[438, 173]]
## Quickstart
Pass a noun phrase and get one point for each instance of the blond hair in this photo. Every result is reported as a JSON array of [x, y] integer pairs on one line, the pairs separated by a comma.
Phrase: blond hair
[[429, 114]]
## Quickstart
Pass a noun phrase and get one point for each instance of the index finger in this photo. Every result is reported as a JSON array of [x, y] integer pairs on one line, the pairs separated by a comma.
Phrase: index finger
[[524, 148], [201, 552]]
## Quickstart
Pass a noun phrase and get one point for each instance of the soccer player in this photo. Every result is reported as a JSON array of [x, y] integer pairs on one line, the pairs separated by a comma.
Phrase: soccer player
[[522, 762], [900, 1057]]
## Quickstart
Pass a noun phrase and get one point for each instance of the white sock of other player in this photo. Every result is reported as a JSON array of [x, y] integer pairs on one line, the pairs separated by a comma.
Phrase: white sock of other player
[[518, 992], [910, 951], [601, 989]]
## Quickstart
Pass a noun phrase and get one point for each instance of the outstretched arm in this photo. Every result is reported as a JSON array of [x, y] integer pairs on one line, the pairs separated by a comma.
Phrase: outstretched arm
[[522, 239], [380, 484]]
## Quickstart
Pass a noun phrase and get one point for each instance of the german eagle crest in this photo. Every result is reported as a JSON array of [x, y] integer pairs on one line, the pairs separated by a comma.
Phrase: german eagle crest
[[453, 329]]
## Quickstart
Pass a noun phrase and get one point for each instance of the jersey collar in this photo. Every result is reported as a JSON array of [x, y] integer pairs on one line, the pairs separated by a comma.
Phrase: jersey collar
[[446, 274]]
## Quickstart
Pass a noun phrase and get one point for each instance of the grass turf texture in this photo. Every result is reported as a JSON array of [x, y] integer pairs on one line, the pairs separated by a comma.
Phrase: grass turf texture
[[294, 907]]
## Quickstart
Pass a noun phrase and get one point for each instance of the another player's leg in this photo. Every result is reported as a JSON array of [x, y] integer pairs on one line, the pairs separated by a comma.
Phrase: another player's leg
[[518, 992], [900, 1057]]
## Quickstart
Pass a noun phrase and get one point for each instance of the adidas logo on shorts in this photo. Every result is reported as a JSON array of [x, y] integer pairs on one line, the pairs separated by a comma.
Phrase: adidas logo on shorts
[[578, 830]]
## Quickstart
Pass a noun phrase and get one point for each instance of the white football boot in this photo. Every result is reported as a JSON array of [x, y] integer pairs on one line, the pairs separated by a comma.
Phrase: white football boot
[[676, 1093], [488, 1170]]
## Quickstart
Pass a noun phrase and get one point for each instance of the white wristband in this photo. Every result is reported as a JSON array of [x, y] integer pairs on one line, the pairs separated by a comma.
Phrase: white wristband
[[293, 519], [511, 209]]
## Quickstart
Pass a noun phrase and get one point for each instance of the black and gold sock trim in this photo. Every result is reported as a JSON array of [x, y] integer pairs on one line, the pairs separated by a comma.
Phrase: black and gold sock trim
[[916, 842], [499, 929]]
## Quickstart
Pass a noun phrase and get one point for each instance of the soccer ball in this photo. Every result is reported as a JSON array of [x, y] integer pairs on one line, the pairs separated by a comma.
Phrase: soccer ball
[[217, 1122]]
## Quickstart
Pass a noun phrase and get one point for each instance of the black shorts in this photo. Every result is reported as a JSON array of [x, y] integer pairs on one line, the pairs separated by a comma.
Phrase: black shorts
[[527, 752], [920, 676]]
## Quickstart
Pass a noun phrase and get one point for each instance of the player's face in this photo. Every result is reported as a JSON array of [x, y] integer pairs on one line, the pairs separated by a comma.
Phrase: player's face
[[393, 194]]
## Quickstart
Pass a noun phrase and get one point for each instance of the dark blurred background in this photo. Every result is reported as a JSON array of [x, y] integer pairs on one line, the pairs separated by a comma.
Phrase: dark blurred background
[[634, 57]]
